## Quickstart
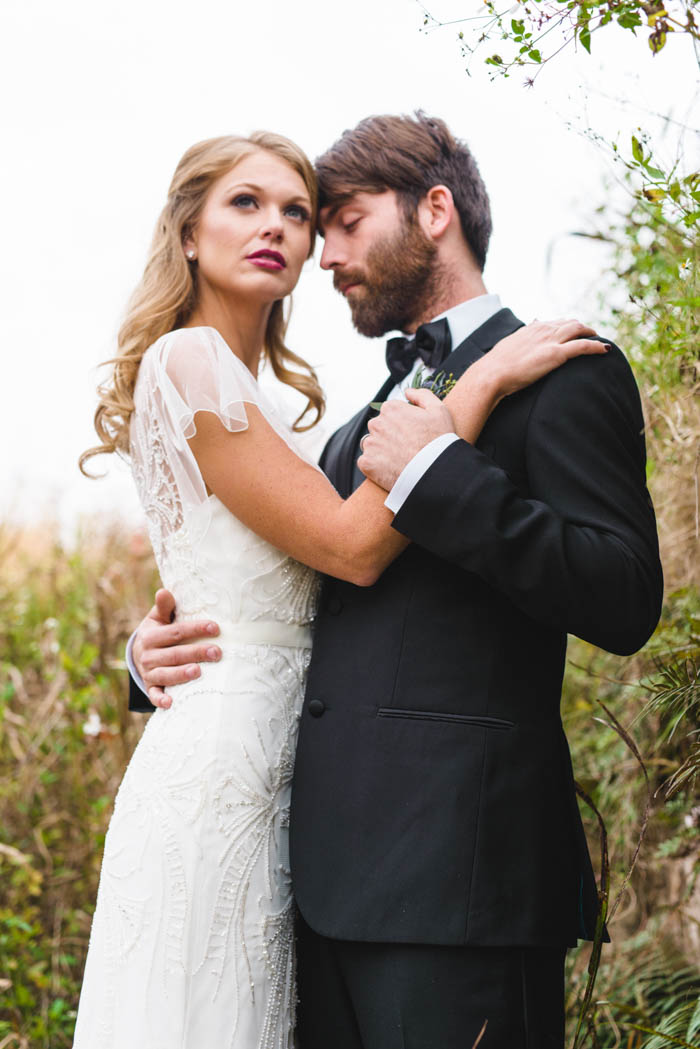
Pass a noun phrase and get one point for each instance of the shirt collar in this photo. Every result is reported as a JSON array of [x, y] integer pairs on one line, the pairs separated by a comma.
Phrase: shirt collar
[[466, 317]]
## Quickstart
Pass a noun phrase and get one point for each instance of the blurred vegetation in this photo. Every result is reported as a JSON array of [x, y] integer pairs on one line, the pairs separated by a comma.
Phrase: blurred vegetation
[[649, 978], [65, 737]]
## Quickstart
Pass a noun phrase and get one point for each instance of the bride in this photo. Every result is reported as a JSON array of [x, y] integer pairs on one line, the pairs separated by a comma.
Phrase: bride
[[192, 938]]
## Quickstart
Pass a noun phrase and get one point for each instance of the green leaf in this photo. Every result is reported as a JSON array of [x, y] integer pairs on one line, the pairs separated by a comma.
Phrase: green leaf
[[585, 38], [653, 172], [535, 55], [657, 41], [637, 151]]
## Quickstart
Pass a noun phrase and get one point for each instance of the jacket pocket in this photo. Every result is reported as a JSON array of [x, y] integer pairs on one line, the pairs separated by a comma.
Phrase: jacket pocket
[[481, 721]]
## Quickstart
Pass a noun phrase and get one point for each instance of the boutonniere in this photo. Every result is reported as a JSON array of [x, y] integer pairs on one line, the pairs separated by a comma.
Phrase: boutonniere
[[440, 384]]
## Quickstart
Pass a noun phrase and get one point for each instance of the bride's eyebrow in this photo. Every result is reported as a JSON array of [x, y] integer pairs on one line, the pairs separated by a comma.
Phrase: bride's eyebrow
[[237, 187]]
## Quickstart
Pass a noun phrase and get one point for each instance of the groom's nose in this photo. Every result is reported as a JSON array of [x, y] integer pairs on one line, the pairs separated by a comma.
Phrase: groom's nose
[[333, 253]]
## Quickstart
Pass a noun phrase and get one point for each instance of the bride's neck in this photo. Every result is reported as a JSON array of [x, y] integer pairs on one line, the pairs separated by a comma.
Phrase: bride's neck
[[241, 326]]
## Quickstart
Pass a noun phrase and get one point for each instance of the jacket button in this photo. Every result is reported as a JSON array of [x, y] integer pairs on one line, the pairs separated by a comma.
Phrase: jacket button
[[316, 708], [334, 605]]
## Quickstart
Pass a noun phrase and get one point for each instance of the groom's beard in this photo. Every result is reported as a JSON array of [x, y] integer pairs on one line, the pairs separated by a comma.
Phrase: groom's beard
[[398, 283]]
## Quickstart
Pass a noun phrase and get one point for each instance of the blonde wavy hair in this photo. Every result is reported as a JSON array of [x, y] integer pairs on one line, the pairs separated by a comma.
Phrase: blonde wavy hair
[[166, 295]]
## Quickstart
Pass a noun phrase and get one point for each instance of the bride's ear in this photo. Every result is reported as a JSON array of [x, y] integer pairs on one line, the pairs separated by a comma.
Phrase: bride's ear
[[189, 247]]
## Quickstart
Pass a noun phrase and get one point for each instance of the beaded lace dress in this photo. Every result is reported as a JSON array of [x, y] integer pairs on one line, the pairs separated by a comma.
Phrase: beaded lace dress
[[192, 939]]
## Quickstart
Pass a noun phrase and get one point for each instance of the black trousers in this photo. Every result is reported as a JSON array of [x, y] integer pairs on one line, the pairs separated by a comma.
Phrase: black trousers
[[409, 996]]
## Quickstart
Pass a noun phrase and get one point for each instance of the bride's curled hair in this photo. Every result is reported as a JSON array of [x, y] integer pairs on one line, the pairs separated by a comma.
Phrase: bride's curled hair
[[166, 295]]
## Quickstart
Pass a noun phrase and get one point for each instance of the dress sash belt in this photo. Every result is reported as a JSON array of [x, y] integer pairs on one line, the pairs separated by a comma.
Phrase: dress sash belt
[[263, 632]]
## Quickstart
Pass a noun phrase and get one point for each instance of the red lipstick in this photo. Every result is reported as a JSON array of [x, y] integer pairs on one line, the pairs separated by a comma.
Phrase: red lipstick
[[267, 259]]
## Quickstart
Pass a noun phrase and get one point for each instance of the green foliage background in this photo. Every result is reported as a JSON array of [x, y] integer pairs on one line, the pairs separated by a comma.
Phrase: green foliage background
[[649, 979]]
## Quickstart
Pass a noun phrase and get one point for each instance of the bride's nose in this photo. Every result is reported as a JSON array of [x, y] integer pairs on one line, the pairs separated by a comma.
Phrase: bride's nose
[[272, 228]]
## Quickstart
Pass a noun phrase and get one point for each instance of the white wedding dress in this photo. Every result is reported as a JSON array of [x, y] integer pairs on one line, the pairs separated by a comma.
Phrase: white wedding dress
[[192, 943]]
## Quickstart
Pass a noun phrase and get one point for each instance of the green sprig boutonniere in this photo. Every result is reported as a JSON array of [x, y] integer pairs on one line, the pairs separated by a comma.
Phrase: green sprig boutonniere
[[440, 384]]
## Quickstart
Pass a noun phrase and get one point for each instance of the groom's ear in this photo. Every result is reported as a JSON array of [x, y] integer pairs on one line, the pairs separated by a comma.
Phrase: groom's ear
[[436, 211]]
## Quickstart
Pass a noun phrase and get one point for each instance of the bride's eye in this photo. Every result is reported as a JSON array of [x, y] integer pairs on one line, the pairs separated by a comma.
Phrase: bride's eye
[[297, 211], [244, 200]]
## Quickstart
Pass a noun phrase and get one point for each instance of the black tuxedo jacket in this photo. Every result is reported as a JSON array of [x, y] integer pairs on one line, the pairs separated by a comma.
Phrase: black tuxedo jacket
[[433, 798]]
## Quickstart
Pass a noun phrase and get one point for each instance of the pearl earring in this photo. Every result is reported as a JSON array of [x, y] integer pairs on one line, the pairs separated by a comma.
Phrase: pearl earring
[[190, 254]]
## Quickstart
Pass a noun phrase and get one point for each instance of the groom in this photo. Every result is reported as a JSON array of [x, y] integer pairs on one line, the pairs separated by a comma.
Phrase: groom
[[438, 857]]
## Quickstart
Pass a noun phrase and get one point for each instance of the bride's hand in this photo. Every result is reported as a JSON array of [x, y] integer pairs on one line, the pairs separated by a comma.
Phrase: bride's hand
[[535, 350]]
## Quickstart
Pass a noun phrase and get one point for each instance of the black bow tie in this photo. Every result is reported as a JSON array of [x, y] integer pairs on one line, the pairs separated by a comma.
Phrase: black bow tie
[[432, 343]]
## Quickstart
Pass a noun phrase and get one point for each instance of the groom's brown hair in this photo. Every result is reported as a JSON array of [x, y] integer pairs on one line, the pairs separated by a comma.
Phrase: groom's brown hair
[[408, 155]]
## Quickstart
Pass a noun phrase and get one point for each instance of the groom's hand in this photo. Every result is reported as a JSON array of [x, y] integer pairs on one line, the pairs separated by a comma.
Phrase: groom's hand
[[163, 652], [399, 432]]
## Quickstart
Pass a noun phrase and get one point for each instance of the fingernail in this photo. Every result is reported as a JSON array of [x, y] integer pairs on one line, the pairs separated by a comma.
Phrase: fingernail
[[212, 629], [192, 671], [607, 346], [213, 653]]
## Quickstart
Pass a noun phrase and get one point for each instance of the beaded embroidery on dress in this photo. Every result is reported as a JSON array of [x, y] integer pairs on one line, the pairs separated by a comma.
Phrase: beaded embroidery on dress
[[192, 940]]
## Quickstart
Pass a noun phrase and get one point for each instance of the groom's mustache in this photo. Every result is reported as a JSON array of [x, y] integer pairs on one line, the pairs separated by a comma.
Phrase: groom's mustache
[[344, 278]]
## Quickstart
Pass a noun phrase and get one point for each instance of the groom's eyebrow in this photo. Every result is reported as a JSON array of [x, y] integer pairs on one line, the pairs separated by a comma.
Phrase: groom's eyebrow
[[329, 211]]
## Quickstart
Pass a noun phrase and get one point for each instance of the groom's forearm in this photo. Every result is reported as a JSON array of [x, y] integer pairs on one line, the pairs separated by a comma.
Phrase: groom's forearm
[[580, 553]]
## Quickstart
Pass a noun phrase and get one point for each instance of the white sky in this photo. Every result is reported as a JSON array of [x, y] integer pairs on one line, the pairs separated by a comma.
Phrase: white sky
[[100, 101]]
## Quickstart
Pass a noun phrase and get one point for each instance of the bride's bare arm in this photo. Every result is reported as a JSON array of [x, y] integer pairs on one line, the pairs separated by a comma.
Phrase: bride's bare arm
[[291, 504]]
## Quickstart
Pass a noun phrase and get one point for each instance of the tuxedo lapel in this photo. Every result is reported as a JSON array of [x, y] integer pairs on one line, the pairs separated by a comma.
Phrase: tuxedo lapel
[[480, 342], [342, 451]]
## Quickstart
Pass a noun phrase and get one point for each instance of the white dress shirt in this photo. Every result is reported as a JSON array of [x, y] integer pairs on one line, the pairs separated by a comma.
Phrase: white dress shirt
[[463, 320]]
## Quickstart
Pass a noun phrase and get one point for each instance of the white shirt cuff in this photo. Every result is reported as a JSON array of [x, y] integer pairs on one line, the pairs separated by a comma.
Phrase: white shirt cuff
[[413, 471], [138, 680]]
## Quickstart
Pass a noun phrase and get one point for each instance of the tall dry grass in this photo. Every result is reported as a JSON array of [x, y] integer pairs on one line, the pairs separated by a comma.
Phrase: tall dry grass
[[65, 737]]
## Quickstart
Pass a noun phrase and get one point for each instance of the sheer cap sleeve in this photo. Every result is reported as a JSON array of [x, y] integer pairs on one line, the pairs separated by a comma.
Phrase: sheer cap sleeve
[[196, 371], [186, 371]]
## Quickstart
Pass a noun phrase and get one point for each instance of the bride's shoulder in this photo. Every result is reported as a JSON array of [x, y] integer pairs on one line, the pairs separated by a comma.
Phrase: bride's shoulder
[[185, 352], [181, 343], [192, 365]]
